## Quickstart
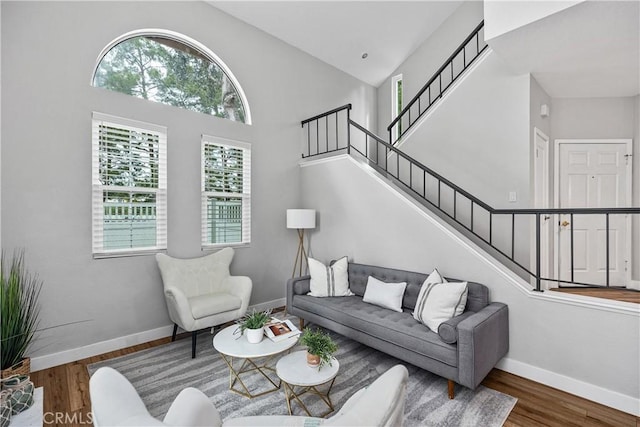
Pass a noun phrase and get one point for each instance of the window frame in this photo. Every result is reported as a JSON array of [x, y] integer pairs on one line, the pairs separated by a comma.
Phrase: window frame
[[188, 41], [245, 196], [396, 104], [98, 189]]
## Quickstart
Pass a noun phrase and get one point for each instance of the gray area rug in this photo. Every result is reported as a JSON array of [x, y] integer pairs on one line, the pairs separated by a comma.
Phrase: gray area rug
[[159, 374]]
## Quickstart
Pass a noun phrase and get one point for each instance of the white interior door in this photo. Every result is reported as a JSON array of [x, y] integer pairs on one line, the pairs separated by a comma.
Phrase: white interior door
[[593, 174]]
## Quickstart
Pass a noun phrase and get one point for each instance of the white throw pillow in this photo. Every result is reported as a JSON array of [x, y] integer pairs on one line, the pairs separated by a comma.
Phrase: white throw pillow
[[434, 277], [443, 301], [387, 295], [329, 281]]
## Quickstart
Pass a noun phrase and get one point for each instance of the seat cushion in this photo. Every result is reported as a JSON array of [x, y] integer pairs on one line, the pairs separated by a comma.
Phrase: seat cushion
[[210, 304], [398, 328]]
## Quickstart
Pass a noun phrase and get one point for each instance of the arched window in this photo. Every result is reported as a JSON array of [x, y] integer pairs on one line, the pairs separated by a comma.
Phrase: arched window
[[170, 68]]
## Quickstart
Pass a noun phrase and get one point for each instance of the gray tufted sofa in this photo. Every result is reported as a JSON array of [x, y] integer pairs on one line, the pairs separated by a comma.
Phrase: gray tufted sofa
[[463, 350]]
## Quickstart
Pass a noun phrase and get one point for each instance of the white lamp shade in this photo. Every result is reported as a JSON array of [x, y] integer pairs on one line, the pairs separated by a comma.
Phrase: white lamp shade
[[301, 218]]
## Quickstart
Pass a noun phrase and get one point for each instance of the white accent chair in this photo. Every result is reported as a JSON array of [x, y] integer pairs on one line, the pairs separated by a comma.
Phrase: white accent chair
[[201, 293], [114, 402]]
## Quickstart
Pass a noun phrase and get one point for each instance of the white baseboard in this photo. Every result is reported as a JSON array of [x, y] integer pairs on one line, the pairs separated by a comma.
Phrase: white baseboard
[[579, 388], [634, 284], [280, 302], [50, 360]]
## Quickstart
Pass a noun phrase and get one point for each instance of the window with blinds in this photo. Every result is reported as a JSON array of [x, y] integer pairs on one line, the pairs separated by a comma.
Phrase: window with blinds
[[226, 192], [129, 186]]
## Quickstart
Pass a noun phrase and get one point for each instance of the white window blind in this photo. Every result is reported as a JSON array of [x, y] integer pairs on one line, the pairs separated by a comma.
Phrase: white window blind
[[226, 192], [129, 186]]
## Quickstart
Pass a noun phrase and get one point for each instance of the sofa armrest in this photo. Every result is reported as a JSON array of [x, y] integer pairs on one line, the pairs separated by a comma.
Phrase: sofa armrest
[[297, 286], [483, 339]]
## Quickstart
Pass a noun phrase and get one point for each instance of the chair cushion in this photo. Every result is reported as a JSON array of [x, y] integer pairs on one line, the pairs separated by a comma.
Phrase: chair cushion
[[210, 304]]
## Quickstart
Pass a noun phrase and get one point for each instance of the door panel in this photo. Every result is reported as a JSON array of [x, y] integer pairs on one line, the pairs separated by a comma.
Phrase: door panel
[[592, 175]]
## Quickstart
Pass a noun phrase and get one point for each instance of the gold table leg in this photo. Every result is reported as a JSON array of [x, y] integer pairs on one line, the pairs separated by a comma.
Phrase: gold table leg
[[291, 394], [247, 366]]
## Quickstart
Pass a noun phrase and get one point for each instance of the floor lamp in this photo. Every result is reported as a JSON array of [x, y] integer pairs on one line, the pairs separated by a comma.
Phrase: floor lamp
[[301, 219]]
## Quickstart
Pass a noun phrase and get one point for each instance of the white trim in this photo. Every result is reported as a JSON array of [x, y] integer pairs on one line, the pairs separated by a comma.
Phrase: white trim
[[601, 395], [543, 186], [173, 35], [67, 356], [47, 361], [394, 103], [137, 125], [280, 302], [450, 90], [634, 284], [556, 194]]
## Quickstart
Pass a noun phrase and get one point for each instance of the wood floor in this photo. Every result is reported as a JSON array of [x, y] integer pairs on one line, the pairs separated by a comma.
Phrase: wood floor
[[627, 295], [67, 402]]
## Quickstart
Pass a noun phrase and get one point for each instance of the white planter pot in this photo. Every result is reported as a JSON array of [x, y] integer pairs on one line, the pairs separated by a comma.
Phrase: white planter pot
[[254, 336]]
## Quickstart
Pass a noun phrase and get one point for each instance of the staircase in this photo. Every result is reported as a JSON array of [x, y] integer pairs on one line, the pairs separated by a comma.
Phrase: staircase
[[505, 233]]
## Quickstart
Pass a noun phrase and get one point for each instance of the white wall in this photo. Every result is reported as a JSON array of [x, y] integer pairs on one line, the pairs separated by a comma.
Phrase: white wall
[[418, 68], [582, 349], [504, 16], [607, 118], [49, 50], [478, 136]]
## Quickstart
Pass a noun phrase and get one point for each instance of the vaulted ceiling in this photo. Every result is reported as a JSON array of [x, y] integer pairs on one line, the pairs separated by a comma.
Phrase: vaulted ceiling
[[340, 32], [591, 49]]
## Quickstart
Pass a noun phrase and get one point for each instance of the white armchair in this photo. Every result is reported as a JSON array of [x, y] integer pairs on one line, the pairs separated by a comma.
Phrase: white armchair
[[114, 402], [201, 293]]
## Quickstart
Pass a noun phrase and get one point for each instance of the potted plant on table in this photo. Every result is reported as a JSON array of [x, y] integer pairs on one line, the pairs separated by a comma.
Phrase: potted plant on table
[[19, 313], [253, 324], [320, 347]]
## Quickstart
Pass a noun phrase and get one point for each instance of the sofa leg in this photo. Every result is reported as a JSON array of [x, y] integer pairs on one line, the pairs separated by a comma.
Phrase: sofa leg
[[301, 323], [175, 330], [451, 385], [194, 335]]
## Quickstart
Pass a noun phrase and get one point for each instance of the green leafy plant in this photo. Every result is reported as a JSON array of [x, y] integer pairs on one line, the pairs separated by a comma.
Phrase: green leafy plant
[[319, 343], [19, 309], [255, 320]]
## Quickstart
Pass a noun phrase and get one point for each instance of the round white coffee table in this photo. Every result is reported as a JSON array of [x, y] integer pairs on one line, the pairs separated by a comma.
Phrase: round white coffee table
[[230, 344], [294, 372]]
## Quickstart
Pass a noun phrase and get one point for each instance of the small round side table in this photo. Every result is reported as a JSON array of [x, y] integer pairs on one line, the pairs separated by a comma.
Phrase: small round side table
[[298, 378]]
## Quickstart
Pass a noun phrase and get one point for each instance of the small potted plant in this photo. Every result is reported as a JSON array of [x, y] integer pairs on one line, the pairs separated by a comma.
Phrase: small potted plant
[[320, 347], [254, 323]]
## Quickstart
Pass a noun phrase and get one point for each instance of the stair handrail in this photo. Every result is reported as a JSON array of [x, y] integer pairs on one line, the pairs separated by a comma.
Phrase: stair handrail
[[436, 75], [538, 212], [430, 171]]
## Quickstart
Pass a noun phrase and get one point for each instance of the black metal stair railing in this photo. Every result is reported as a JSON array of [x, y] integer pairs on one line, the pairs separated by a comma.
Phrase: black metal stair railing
[[461, 59], [331, 132]]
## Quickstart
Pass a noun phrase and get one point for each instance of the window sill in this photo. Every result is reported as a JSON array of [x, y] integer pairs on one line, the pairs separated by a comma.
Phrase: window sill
[[123, 254], [215, 248]]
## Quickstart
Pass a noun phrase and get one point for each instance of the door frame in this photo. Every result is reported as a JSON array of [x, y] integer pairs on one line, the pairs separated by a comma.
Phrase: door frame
[[556, 197], [541, 183]]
